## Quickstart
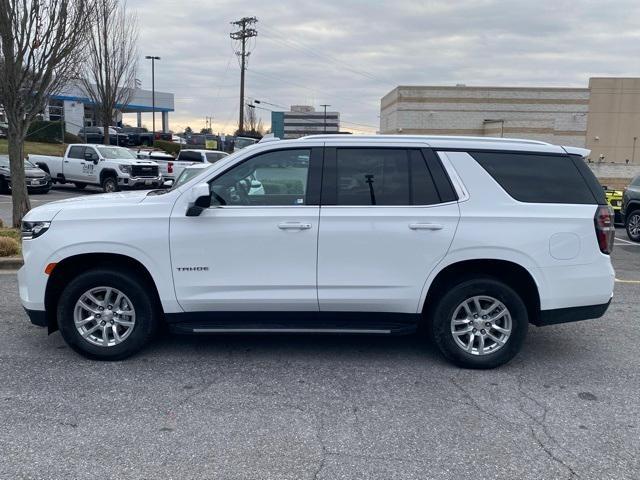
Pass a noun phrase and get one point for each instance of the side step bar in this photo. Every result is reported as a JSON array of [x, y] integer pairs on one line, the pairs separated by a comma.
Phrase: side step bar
[[362, 323]]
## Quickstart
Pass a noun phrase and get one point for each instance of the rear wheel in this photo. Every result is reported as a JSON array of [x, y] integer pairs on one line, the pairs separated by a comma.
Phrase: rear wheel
[[80, 186], [106, 315], [4, 186], [480, 323], [632, 224], [109, 184]]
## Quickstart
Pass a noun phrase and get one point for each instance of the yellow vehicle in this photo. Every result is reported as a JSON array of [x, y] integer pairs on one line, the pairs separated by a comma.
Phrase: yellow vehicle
[[614, 198]]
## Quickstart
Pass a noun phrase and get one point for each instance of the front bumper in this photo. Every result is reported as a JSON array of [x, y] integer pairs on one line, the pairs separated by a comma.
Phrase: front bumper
[[135, 182], [571, 314]]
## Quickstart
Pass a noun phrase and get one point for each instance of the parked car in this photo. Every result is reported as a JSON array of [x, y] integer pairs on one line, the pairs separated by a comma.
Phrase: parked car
[[241, 142], [614, 198], [37, 180], [109, 167], [471, 239], [96, 135], [200, 155], [166, 136], [137, 136], [178, 139], [630, 210]]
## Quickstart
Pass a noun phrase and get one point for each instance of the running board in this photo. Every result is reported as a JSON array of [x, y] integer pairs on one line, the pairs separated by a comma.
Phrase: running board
[[349, 323]]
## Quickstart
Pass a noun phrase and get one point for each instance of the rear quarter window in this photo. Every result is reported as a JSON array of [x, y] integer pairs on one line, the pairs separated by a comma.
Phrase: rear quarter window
[[538, 178]]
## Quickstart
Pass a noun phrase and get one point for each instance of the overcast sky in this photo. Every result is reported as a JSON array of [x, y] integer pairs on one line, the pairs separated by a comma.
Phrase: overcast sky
[[351, 53]]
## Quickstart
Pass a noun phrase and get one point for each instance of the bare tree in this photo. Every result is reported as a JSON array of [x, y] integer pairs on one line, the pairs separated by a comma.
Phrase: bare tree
[[40, 45], [110, 76]]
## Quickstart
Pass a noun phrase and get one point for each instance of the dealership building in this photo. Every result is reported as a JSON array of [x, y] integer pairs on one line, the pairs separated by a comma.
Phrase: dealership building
[[75, 107], [604, 117]]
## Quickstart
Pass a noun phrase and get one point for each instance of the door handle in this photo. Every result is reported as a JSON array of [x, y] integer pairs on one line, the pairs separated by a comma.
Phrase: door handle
[[294, 226], [66, 161], [426, 226]]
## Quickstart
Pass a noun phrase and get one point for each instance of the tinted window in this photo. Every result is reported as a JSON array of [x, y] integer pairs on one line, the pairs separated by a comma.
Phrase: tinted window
[[213, 157], [190, 156], [372, 176], [537, 178], [274, 178], [76, 152], [423, 190], [116, 153]]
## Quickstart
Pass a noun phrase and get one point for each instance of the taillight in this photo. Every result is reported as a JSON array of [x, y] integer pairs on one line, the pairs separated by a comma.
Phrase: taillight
[[605, 231], [170, 167]]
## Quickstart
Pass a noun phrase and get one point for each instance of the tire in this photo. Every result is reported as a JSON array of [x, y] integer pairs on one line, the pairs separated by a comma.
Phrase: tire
[[109, 184], [4, 186], [488, 291], [632, 225], [135, 298], [80, 186]]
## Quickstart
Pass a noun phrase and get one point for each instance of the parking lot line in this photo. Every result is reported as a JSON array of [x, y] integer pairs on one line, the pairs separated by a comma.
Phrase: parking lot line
[[627, 281], [627, 242]]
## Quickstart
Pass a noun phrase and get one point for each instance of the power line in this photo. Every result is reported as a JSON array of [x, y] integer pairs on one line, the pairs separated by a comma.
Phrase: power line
[[245, 32], [293, 44]]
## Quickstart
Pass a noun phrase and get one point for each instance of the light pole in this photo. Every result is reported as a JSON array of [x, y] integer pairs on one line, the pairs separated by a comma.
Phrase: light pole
[[153, 89], [325, 116]]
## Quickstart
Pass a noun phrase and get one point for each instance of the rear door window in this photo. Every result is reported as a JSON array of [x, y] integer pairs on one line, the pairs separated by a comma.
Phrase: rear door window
[[190, 157], [537, 178]]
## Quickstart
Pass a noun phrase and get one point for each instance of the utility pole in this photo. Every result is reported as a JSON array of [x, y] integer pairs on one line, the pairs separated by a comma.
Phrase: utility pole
[[325, 115], [245, 31], [153, 89]]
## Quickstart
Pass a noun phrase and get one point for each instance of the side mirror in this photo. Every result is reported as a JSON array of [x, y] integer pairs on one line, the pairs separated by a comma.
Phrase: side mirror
[[167, 183], [200, 199]]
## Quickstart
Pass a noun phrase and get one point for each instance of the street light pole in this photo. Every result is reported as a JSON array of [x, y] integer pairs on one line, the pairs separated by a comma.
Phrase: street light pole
[[325, 115], [153, 89]]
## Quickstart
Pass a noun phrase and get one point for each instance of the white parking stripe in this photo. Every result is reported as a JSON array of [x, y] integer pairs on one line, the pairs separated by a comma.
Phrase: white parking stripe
[[627, 242]]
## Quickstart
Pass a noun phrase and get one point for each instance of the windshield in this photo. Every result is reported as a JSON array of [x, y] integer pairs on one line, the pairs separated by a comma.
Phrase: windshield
[[4, 163], [115, 153]]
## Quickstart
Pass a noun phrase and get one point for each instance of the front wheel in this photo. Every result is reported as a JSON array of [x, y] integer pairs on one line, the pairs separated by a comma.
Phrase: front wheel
[[109, 184], [632, 224], [104, 314], [480, 323]]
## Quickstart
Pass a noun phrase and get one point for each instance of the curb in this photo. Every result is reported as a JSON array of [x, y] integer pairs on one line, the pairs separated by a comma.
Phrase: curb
[[10, 263]]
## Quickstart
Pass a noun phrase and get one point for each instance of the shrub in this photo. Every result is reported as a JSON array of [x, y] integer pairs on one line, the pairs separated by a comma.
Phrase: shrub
[[1, 223], [71, 138], [169, 147], [44, 131], [9, 247]]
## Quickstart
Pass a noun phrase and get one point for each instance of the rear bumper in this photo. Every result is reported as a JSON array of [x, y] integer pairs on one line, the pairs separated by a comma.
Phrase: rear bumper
[[571, 314]]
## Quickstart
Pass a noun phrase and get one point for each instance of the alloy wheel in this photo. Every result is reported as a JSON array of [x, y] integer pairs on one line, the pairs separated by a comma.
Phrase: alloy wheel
[[633, 226], [481, 325], [104, 316]]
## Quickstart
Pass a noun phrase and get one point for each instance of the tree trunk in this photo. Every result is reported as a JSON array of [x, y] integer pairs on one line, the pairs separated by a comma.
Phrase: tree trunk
[[106, 121], [19, 195]]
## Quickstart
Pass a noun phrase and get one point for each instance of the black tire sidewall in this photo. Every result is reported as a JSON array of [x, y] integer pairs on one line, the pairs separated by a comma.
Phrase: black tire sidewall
[[133, 288], [441, 322], [626, 226], [109, 179]]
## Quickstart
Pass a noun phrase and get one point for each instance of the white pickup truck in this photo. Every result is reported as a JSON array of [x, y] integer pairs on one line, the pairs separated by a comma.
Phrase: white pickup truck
[[110, 167], [171, 167]]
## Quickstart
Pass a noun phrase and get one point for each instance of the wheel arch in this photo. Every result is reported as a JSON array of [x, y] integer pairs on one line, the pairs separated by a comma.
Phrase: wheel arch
[[67, 269], [513, 274], [632, 206], [108, 172]]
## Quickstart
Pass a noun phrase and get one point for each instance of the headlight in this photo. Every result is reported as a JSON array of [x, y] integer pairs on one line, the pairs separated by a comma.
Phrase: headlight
[[125, 168], [31, 230]]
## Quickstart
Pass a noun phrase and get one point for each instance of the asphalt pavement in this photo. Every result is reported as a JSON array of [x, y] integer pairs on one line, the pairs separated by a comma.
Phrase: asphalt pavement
[[58, 192], [296, 407]]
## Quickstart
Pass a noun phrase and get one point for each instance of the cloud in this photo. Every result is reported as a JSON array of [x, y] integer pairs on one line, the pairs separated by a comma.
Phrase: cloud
[[350, 53]]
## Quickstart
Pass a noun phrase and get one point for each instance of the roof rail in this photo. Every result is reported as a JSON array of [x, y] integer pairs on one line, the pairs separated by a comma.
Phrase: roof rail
[[425, 138]]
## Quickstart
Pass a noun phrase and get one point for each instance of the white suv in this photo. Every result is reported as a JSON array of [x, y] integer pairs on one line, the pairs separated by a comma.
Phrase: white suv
[[470, 238]]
